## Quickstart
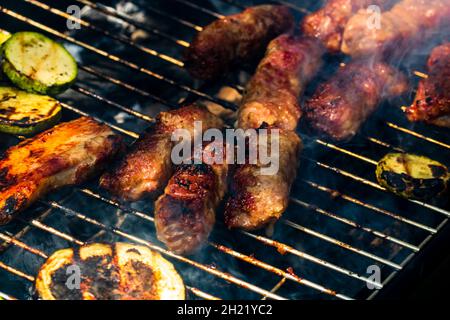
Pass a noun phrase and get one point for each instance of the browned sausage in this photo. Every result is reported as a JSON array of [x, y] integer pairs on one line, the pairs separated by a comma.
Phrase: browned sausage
[[273, 92], [341, 105], [257, 200], [235, 38], [328, 23], [148, 166]]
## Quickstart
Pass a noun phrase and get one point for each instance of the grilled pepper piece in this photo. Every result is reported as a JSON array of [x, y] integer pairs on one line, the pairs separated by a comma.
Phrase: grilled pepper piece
[[38, 64], [26, 113], [412, 176]]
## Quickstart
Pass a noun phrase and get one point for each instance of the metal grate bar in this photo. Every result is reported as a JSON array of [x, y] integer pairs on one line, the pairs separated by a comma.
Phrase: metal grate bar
[[119, 106], [371, 207], [5, 296], [261, 239], [117, 59], [127, 86], [312, 232], [280, 246], [374, 185], [106, 33], [43, 255], [119, 232], [229, 251], [355, 225], [201, 9], [418, 135], [340, 243], [109, 11]]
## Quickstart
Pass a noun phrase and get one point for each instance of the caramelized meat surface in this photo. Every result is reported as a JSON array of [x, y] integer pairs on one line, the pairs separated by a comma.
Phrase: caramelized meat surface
[[341, 105], [258, 199], [236, 38], [432, 102], [185, 213], [328, 23], [67, 154], [273, 92], [406, 25], [147, 167]]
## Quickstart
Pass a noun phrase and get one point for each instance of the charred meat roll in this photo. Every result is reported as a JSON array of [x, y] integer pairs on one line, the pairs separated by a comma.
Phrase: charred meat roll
[[407, 24], [432, 103], [148, 166], [341, 105], [236, 38], [65, 155], [258, 198], [185, 213], [328, 23], [273, 92]]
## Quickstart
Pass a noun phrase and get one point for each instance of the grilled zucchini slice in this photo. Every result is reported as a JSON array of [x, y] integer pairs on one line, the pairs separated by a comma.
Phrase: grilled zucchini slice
[[412, 176], [38, 64], [25, 113], [4, 35]]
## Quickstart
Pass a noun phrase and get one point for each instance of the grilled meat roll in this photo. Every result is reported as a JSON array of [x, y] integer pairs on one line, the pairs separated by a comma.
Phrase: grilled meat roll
[[341, 105], [432, 103], [119, 271], [273, 92], [256, 199], [185, 213], [408, 23], [236, 38], [64, 155], [148, 166], [328, 23]]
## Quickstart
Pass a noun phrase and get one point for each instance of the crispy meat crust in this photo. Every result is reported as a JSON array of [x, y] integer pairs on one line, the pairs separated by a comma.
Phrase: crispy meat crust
[[273, 92], [408, 23], [328, 23], [257, 200], [342, 104], [148, 166], [67, 154], [432, 102], [236, 38], [185, 213]]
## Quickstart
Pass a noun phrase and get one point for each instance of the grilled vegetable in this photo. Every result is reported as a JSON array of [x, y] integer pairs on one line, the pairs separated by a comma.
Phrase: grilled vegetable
[[412, 176], [36, 63], [4, 35], [26, 113], [118, 271]]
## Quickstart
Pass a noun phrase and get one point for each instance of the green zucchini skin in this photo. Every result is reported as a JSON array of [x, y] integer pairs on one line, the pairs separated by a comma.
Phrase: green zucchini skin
[[28, 82], [4, 35], [412, 176], [24, 113]]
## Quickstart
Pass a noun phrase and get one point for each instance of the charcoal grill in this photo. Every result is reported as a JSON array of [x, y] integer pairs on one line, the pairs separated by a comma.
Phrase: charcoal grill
[[340, 226]]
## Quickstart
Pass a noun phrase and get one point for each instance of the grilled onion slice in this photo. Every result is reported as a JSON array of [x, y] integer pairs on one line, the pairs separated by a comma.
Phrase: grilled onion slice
[[118, 271], [412, 176]]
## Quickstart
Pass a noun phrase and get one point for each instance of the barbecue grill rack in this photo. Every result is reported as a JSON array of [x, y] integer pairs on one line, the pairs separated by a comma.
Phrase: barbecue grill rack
[[340, 221]]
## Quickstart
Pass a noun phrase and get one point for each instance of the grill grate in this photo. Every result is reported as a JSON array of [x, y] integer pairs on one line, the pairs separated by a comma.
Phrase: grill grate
[[390, 248]]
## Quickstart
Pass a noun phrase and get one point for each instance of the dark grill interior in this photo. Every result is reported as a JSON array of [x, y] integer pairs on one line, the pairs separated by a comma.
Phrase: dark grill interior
[[340, 221]]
